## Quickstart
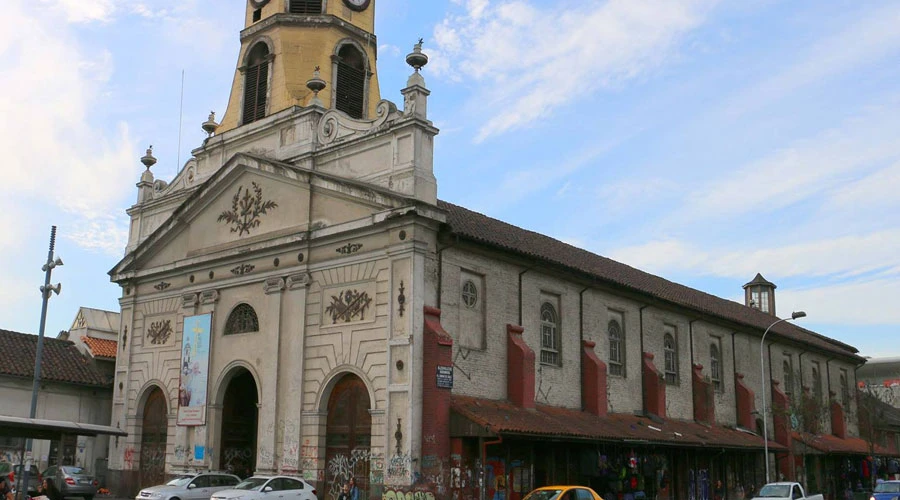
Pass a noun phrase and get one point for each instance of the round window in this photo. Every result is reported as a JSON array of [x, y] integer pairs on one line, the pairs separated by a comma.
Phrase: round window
[[469, 294]]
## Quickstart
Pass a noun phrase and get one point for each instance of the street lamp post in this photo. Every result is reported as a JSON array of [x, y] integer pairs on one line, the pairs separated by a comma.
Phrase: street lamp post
[[762, 373], [46, 291]]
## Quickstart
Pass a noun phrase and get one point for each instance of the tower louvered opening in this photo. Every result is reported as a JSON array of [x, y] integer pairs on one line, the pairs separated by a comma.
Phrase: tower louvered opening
[[305, 7], [256, 83], [350, 84]]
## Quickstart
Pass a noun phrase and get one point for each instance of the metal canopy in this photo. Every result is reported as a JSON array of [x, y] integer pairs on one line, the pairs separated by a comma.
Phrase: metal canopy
[[37, 428]]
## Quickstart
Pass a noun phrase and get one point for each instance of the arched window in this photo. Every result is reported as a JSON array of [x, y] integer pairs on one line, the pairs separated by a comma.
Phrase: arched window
[[817, 384], [671, 359], [242, 319], [616, 349], [845, 390], [549, 335], [256, 83], [350, 82], [305, 7], [788, 379], [715, 367]]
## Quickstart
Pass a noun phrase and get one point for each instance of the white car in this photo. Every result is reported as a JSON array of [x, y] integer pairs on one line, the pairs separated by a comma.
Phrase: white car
[[269, 488], [190, 486]]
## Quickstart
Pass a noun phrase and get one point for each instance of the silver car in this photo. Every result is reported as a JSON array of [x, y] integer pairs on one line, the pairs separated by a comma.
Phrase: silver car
[[72, 481], [190, 486]]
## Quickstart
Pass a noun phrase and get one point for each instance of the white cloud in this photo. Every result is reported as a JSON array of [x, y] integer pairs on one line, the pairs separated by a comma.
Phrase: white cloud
[[54, 155], [864, 302], [823, 164], [842, 257], [84, 11], [530, 60]]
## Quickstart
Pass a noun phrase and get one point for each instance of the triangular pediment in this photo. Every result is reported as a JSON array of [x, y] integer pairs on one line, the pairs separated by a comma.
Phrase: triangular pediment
[[249, 201]]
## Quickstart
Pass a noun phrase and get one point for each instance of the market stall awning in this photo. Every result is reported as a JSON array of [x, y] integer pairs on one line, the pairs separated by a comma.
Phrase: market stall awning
[[37, 428], [829, 444], [483, 417]]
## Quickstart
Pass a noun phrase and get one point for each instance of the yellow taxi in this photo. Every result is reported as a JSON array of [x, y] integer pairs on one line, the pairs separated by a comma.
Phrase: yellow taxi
[[563, 493]]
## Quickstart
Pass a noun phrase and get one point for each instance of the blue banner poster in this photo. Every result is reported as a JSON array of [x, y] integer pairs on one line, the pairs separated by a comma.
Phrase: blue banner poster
[[194, 370]]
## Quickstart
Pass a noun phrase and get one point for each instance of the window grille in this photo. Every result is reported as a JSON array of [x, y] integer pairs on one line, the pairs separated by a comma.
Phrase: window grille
[[549, 335], [256, 84], [305, 7], [715, 368], [242, 319], [671, 359], [350, 85], [616, 349], [469, 294]]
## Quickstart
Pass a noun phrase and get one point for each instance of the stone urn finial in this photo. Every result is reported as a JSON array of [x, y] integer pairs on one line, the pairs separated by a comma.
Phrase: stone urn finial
[[210, 125], [316, 84], [417, 59], [148, 160]]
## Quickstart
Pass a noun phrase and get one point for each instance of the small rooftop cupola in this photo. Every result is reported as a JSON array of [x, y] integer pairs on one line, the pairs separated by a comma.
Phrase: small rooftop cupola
[[760, 294]]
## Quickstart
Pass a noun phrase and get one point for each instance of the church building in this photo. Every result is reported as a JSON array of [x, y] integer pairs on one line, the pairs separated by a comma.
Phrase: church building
[[297, 300]]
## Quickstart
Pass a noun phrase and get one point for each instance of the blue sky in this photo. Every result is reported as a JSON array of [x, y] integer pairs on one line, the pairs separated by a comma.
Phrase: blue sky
[[701, 140]]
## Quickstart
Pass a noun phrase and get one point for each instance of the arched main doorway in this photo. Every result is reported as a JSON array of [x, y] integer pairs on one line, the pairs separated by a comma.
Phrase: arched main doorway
[[349, 435], [240, 417], [154, 433]]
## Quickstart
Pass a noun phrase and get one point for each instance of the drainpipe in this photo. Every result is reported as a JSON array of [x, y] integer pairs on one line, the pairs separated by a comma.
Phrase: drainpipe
[[520, 294], [581, 344], [641, 357], [440, 276]]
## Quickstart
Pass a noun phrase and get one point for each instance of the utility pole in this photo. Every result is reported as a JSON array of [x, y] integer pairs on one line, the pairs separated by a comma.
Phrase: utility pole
[[46, 291]]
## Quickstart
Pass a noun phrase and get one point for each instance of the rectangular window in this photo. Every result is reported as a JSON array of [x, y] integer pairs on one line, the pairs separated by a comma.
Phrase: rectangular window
[[472, 333], [845, 390], [550, 331], [715, 364]]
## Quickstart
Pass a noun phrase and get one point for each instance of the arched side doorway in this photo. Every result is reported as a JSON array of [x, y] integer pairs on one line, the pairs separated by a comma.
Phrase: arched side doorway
[[154, 433], [240, 418], [348, 436]]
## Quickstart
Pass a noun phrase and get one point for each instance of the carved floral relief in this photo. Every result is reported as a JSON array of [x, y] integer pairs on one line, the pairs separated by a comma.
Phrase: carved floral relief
[[247, 208]]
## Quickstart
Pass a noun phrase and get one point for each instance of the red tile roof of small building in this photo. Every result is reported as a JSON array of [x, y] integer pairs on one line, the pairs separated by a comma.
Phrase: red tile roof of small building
[[503, 417], [101, 348], [61, 360], [827, 443], [485, 230]]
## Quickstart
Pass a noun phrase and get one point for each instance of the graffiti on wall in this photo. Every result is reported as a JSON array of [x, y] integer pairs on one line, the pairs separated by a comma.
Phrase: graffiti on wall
[[399, 470], [698, 484], [129, 458], [376, 469], [309, 461], [342, 467]]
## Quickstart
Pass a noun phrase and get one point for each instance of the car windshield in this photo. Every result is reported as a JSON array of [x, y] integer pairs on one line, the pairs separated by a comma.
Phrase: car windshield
[[251, 483], [552, 494], [180, 481], [73, 470], [775, 491], [887, 488]]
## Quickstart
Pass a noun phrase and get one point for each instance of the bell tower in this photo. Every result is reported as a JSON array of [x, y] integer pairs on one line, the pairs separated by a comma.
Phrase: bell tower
[[286, 43]]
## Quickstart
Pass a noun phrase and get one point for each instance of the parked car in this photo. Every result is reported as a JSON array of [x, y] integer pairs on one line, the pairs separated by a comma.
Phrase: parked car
[[72, 481], [785, 491], [190, 486], [888, 490], [563, 493], [259, 487], [34, 476]]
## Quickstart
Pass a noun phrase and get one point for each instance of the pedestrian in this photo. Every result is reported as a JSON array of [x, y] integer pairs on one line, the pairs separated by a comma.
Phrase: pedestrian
[[49, 490], [345, 492], [354, 491], [5, 489]]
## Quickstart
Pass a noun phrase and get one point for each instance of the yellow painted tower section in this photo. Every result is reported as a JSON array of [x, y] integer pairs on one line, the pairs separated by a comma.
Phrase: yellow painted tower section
[[300, 43]]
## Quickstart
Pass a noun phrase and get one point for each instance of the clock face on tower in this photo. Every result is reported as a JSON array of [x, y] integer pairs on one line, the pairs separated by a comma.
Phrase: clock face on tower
[[358, 5]]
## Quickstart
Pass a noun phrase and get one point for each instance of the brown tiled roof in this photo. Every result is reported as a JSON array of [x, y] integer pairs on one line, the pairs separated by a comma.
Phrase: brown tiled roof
[[101, 348], [826, 443], [61, 360], [482, 229], [503, 417]]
